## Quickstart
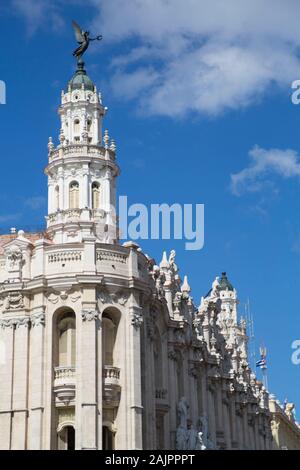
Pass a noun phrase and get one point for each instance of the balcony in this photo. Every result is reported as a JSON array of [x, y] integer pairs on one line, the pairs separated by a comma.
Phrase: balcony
[[161, 399], [111, 386], [64, 385]]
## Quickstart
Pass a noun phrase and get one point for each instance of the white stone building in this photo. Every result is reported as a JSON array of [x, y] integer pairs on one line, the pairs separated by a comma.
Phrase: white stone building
[[99, 346]]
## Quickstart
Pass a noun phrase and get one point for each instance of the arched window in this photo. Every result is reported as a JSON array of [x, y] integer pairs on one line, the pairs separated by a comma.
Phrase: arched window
[[56, 198], [76, 126], [89, 125], [108, 438], [95, 195], [74, 195], [66, 438], [108, 340], [67, 340]]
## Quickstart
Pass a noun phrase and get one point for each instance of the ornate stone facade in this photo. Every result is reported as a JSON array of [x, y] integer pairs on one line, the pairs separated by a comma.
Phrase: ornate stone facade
[[102, 348]]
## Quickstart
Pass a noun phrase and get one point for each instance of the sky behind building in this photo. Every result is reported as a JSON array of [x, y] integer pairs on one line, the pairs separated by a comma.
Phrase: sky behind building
[[200, 106]]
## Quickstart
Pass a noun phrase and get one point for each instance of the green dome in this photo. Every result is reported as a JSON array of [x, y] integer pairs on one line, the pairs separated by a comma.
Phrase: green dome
[[81, 78], [224, 283]]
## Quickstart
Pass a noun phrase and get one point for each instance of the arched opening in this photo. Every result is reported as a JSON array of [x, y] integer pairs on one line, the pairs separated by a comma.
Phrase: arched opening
[[64, 378], [74, 195], [109, 334], [89, 125], [76, 126], [67, 340], [56, 198], [95, 195], [66, 438], [108, 438]]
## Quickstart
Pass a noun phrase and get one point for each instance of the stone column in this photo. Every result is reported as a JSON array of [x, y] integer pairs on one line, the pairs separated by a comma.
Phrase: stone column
[[6, 381], [233, 420], [87, 381], [173, 386], [50, 198], [226, 422], [61, 191], [99, 368], [36, 380], [211, 415], [20, 384], [219, 411], [135, 392], [85, 188]]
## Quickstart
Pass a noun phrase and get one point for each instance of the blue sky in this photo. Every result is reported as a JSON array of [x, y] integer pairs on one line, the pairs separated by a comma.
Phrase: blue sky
[[200, 106]]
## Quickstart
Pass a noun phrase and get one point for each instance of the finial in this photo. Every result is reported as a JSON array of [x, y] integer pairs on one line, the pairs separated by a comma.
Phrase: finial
[[113, 146], [185, 286], [106, 139], [164, 262], [50, 145]]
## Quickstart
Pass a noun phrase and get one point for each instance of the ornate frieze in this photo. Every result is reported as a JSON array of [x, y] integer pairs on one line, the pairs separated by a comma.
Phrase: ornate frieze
[[119, 297], [16, 322]]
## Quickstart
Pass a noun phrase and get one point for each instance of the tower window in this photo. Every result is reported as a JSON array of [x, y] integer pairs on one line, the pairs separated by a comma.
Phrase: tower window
[[95, 195], [76, 126], [56, 198], [67, 341], [74, 195], [89, 125]]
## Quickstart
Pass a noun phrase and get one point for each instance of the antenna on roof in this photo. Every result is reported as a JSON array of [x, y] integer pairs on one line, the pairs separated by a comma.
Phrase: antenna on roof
[[251, 336]]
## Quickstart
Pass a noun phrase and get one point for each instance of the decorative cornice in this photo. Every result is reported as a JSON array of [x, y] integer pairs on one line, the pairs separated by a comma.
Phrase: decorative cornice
[[22, 321]]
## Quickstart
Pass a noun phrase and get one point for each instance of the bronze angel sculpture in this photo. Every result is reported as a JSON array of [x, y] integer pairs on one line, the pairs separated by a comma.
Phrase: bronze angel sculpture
[[83, 39]]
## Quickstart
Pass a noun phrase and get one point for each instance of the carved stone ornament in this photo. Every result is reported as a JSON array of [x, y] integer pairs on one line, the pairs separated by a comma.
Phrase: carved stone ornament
[[89, 315], [14, 257], [22, 321], [136, 320], [38, 319], [13, 301], [17, 322], [172, 355], [119, 297]]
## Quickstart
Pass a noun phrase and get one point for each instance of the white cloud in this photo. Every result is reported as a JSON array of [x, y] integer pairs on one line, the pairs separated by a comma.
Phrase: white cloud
[[37, 13], [9, 218], [35, 202], [204, 56], [285, 163]]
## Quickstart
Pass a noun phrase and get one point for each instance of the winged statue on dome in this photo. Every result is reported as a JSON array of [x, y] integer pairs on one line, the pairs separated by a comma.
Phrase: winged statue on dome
[[83, 38]]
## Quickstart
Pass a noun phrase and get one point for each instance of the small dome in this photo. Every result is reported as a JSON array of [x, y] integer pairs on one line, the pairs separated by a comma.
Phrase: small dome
[[224, 283], [81, 78]]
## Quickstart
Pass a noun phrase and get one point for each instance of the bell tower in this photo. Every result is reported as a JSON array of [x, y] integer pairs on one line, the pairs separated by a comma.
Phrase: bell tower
[[82, 169]]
